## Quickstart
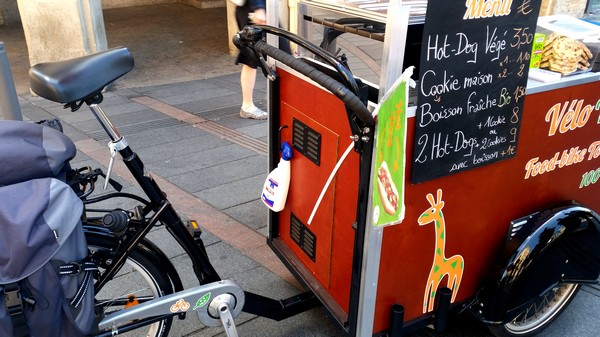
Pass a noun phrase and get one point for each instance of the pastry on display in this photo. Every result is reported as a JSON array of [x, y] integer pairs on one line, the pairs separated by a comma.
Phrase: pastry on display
[[565, 55]]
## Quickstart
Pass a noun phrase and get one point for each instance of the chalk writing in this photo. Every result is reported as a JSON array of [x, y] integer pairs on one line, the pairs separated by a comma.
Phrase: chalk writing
[[475, 105], [472, 82], [432, 85], [493, 45], [487, 8], [525, 7], [429, 116]]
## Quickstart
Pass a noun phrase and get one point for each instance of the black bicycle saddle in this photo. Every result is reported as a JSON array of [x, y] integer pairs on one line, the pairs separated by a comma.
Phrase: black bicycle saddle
[[78, 78]]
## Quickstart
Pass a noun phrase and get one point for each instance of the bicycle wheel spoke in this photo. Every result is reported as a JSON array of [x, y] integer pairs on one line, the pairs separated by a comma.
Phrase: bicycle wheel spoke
[[139, 280], [539, 313]]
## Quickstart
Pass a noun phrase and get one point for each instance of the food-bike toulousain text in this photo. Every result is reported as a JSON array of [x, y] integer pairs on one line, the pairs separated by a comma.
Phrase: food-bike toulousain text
[[474, 63]]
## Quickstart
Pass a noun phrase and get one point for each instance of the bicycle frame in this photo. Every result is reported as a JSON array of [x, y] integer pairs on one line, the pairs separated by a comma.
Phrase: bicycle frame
[[194, 248], [54, 81], [164, 211]]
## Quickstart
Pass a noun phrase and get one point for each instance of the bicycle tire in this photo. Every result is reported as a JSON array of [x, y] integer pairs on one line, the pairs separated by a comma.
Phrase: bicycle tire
[[139, 271], [538, 315]]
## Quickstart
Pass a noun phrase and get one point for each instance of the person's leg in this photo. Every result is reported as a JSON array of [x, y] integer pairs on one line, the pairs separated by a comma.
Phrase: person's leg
[[247, 80], [248, 72]]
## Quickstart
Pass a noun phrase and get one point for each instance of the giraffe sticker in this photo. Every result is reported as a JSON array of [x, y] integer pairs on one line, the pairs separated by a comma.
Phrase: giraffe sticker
[[442, 266]]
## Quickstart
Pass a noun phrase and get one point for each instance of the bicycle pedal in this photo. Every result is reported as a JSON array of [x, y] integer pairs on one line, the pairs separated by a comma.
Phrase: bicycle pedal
[[194, 229]]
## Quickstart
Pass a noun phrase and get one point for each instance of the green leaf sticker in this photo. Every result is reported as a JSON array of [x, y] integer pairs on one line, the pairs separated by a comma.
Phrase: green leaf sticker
[[202, 301]]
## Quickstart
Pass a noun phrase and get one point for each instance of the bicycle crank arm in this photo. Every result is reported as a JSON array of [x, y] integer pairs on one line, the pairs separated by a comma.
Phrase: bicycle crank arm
[[216, 304], [221, 306]]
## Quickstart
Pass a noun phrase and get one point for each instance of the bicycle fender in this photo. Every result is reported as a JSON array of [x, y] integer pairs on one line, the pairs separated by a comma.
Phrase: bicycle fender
[[558, 245], [157, 254]]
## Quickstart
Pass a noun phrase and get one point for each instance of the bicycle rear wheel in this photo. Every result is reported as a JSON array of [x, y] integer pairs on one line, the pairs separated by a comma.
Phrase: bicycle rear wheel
[[539, 314], [139, 279]]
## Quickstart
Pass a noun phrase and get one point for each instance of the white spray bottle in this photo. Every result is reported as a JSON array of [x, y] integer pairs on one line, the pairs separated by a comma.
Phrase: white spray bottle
[[275, 190]]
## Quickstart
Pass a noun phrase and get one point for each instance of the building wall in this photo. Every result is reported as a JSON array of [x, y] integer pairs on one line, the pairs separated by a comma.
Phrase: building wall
[[193, 3], [545, 8], [9, 11], [573, 8], [70, 28], [129, 3]]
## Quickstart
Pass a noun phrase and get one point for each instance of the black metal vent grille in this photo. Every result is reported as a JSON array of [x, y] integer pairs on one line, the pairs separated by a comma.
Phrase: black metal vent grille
[[303, 237], [307, 141]]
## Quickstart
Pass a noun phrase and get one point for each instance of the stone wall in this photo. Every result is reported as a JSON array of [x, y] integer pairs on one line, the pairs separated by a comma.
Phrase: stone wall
[[70, 28], [129, 3], [9, 12], [573, 8], [193, 3]]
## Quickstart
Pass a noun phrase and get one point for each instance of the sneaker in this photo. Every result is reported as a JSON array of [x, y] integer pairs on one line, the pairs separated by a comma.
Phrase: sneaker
[[254, 113]]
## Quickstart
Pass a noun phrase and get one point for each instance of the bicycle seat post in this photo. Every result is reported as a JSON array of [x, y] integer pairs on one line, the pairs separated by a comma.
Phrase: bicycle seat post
[[108, 126]]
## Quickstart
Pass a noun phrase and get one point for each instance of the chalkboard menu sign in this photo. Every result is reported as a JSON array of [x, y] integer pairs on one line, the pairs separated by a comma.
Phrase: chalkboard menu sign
[[473, 74]]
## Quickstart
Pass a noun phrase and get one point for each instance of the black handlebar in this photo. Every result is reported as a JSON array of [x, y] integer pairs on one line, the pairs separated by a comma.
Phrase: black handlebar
[[347, 93], [339, 90], [325, 55]]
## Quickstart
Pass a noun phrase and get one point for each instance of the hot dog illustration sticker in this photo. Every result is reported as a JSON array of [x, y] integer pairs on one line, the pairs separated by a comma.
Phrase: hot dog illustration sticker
[[388, 193], [390, 154]]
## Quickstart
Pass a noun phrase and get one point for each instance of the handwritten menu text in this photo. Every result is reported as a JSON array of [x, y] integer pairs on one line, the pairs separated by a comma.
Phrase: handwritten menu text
[[473, 74]]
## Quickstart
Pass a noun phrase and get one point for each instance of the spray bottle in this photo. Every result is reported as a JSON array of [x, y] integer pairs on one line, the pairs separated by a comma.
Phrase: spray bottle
[[275, 190]]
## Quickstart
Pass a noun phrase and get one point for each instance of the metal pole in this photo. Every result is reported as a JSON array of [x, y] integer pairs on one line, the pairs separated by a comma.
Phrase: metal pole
[[9, 103]]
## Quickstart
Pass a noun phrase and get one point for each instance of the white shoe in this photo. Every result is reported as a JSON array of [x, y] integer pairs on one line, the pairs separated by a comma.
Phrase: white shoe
[[254, 113]]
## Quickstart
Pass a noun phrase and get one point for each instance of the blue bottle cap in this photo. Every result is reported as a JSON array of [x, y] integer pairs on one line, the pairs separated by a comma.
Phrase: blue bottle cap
[[286, 151]]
